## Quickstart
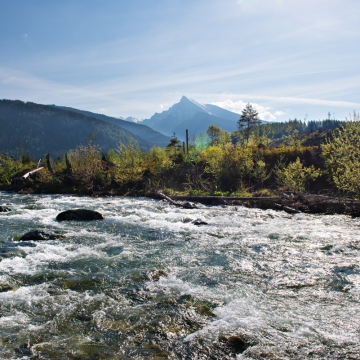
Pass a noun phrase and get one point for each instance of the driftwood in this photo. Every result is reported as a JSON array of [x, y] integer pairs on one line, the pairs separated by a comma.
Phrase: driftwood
[[287, 209], [25, 176], [50, 168], [185, 204]]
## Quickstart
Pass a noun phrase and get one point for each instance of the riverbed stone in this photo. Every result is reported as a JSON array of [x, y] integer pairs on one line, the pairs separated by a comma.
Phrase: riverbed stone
[[39, 234], [199, 222], [237, 343], [5, 209], [80, 215]]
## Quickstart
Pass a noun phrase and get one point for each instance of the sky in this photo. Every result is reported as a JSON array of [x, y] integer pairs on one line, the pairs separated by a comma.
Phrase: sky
[[289, 58]]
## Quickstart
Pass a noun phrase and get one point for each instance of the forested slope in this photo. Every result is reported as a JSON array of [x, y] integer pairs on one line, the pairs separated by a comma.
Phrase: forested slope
[[143, 131], [39, 129]]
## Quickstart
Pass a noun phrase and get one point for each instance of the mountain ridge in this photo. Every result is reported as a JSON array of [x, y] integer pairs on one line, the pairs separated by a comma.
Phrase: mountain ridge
[[39, 129], [143, 131]]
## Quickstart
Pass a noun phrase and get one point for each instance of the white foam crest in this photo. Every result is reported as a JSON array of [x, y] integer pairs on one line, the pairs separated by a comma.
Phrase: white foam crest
[[44, 253]]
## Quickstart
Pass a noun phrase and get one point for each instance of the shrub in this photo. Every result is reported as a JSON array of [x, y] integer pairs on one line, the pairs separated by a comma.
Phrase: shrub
[[342, 157], [296, 177]]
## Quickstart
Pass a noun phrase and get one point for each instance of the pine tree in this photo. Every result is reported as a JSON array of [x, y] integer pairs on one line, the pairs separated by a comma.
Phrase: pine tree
[[248, 120]]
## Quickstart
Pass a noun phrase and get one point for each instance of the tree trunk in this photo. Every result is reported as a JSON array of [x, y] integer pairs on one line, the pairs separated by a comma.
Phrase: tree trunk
[[50, 168], [69, 170]]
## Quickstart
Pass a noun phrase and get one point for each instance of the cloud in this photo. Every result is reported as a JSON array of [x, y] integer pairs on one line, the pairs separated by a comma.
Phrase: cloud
[[239, 105], [279, 113]]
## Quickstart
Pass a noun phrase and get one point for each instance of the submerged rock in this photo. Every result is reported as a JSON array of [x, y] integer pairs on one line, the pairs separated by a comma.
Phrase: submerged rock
[[41, 235], [199, 222], [155, 274], [5, 209], [236, 343], [188, 205], [5, 287], [79, 214]]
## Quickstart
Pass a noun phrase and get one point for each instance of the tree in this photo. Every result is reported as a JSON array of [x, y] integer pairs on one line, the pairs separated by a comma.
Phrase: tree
[[174, 143], [217, 135], [213, 132], [342, 156], [248, 120]]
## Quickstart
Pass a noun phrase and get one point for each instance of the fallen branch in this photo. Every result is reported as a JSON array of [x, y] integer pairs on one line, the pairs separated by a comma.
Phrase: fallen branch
[[25, 176], [185, 204]]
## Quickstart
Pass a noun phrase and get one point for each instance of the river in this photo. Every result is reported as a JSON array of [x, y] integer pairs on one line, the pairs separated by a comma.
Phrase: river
[[146, 283]]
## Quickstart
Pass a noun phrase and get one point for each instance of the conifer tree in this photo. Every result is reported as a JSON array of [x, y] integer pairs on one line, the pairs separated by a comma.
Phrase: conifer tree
[[248, 120]]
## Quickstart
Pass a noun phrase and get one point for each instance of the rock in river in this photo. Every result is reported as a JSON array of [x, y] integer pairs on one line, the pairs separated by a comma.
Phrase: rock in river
[[199, 222], [41, 235], [79, 214], [5, 209]]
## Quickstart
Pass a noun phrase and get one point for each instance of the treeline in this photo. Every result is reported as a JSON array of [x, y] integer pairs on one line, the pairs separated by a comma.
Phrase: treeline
[[213, 166], [281, 129]]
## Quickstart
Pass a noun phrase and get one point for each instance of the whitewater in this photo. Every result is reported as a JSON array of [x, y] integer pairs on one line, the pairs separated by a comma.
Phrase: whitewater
[[146, 283]]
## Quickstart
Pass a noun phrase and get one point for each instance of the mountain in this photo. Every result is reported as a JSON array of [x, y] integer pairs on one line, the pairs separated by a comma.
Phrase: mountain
[[188, 114], [132, 119], [39, 129], [200, 122], [143, 131]]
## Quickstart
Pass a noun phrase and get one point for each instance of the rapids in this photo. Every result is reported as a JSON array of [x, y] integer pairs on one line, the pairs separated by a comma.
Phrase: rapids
[[145, 284]]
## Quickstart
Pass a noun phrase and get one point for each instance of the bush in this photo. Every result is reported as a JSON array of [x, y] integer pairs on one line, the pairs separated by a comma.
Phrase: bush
[[87, 166], [296, 177], [342, 157]]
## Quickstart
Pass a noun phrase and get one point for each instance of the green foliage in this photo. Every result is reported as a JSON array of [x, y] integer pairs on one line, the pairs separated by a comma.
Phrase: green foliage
[[130, 163], [217, 136], [295, 176], [87, 166], [227, 165], [260, 172], [158, 161], [8, 170], [342, 157]]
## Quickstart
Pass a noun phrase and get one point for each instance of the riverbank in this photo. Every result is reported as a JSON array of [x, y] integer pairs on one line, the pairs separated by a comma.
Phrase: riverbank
[[290, 203], [286, 201]]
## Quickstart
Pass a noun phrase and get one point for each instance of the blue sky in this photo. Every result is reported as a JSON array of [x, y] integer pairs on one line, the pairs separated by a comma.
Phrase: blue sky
[[134, 58]]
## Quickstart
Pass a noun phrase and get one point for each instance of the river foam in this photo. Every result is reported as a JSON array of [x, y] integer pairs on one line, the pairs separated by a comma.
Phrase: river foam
[[146, 282]]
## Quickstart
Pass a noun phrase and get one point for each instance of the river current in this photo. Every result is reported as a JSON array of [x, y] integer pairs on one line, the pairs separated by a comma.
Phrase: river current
[[146, 283]]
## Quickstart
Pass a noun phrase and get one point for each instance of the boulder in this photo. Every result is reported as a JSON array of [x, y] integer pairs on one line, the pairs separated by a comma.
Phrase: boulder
[[38, 234], [199, 222], [188, 205], [5, 209], [79, 214]]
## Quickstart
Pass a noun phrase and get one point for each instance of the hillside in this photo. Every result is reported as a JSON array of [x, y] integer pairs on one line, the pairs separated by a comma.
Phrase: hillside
[[144, 132], [307, 138], [39, 129]]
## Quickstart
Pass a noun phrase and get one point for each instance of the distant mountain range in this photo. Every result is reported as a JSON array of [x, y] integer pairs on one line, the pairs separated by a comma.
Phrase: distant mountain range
[[39, 129], [188, 114]]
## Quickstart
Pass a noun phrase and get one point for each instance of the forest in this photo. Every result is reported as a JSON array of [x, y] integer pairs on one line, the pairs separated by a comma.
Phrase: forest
[[252, 163]]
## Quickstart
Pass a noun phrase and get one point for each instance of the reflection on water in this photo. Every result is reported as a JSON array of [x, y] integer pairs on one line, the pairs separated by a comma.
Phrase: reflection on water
[[145, 284]]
